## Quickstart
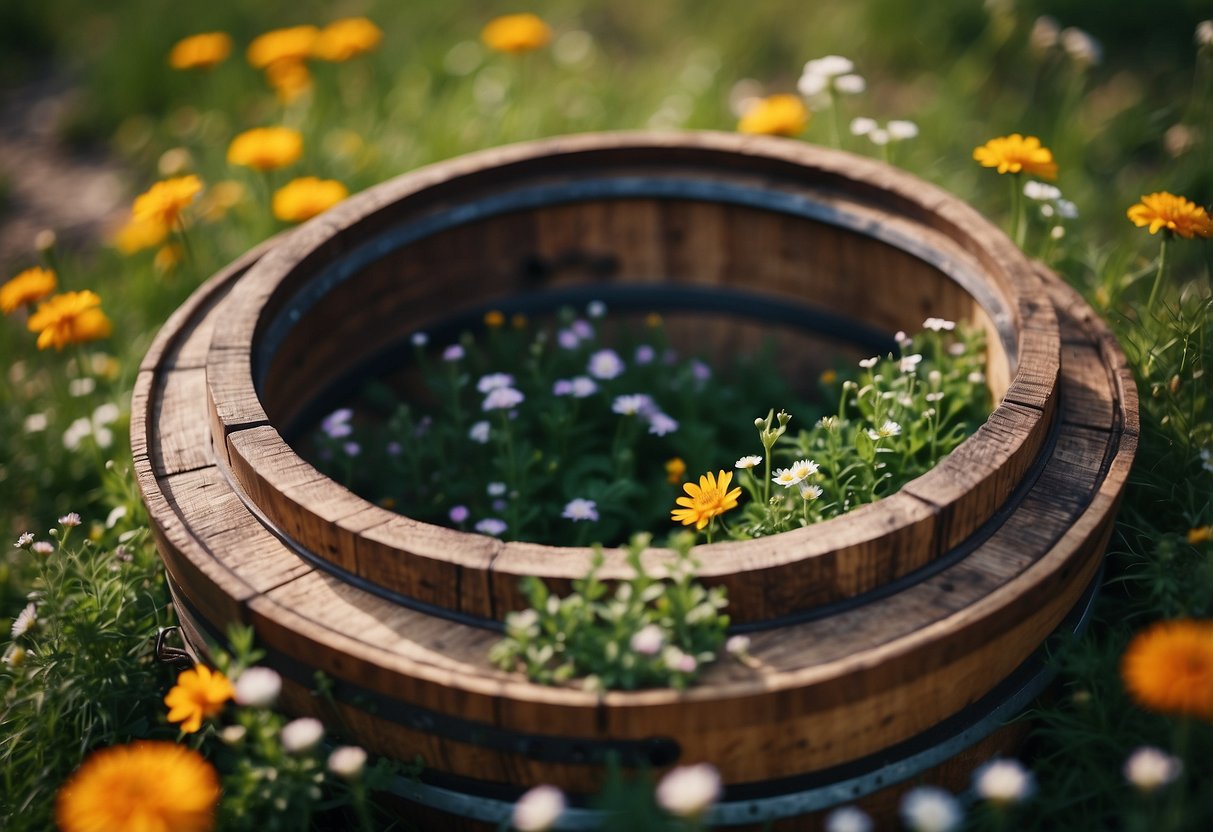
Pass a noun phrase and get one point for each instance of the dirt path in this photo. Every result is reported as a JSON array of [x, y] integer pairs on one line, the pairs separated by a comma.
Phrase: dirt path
[[45, 184]]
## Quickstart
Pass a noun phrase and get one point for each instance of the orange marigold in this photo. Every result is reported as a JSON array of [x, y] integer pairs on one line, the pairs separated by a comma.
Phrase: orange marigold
[[69, 318], [776, 115], [304, 198], [1015, 153], [151, 786], [1168, 668], [266, 148], [294, 43], [165, 202], [1174, 213], [347, 38], [706, 500], [200, 51], [675, 468], [135, 236], [290, 79], [516, 33], [29, 286], [199, 693]]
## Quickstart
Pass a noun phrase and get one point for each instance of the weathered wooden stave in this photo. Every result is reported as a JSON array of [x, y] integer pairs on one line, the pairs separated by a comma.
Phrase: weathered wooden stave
[[227, 568]]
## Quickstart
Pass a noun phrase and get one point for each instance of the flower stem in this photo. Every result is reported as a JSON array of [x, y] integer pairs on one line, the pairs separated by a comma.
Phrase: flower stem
[[1017, 223], [1162, 266]]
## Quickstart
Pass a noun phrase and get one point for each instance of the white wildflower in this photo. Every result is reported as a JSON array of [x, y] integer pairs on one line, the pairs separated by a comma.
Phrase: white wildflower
[[901, 129], [538, 809], [479, 432], [25, 621], [258, 687], [938, 325], [1003, 781], [689, 791], [347, 762], [36, 423], [748, 462], [1149, 768], [848, 819], [862, 126], [648, 640], [301, 735], [850, 84], [930, 809]]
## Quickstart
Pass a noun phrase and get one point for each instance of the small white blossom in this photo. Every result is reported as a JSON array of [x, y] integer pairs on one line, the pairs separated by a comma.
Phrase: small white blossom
[[347, 762], [785, 477], [1003, 781], [233, 734], [689, 791], [810, 491], [491, 525], [850, 84], [930, 809], [1041, 191], [1044, 35], [934, 397], [909, 363], [885, 431], [1066, 209], [901, 129], [648, 640], [862, 126], [605, 364], [70, 519], [902, 339], [36, 422], [419, 339], [1204, 34], [582, 387], [25, 539], [14, 656], [596, 309], [81, 386], [632, 404], [1149, 768], [938, 325], [748, 462], [869, 363], [737, 646], [494, 381], [879, 137], [495, 489], [258, 687], [1083, 49], [975, 377], [301, 735], [661, 423], [580, 509], [805, 468], [25, 620], [116, 514], [453, 353], [42, 547], [538, 809], [502, 398], [830, 66], [479, 432], [848, 819]]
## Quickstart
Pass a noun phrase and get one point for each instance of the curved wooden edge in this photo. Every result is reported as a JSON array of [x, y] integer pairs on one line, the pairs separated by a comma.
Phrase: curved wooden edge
[[935, 511]]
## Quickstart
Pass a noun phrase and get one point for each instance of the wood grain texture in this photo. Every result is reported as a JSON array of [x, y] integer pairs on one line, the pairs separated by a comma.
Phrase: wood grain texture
[[988, 578]]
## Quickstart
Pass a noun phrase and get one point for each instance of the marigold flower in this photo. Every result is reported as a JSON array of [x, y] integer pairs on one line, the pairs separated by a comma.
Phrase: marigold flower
[[26, 288], [294, 43], [1015, 153], [290, 79], [1174, 213], [346, 38], [1200, 534], [219, 199], [1168, 668], [706, 500], [776, 115], [69, 318], [145, 785], [494, 319], [163, 203], [516, 33], [266, 148], [136, 236], [304, 198], [199, 693], [168, 258], [201, 51], [674, 470]]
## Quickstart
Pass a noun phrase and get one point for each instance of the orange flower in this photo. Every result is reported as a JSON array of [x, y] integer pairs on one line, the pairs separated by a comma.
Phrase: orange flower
[[494, 318], [516, 33], [294, 43], [345, 39], [1200, 534], [1168, 668], [136, 236], [1015, 153], [163, 203], [200, 51], [304, 198], [29, 286], [776, 115], [150, 786], [706, 500], [674, 470], [1174, 213], [266, 148], [69, 318], [199, 693], [290, 79]]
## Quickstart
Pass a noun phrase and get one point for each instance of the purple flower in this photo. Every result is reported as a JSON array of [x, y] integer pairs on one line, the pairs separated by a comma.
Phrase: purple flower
[[337, 424], [452, 353], [393, 449], [502, 398], [700, 371], [660, 424], [562, 387], [423, 426], [494, 381], [458, 514], [632, 404], [499, 505], [567, 339], [582, 329], [583, 386], [420, 339], [580, 509], [645, 354], [491, 525], [596, 309], [605, 364], [351, 448]]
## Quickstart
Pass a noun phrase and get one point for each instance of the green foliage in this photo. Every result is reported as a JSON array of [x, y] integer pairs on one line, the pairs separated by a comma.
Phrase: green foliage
[[648, 631]]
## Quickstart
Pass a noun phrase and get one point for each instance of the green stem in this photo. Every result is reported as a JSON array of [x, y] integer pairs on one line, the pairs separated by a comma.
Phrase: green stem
[[1162, 266], [836, 121], [1017, 223]]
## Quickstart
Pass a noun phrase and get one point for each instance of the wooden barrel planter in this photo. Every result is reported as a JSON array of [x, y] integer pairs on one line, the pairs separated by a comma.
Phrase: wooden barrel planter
[[886, 640]]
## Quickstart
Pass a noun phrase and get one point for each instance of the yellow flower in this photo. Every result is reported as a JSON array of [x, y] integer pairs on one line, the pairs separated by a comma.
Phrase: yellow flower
[[136, 236], [163, 203], [518, 320], [1201, 534], [674, 469], [1168, 668], [1174, 213], [828, 377], [266, 148], [1014, 153], [291, 44], [30, 285], [304, 198], [198, 694], [200, 51], [290, 79], [706, 500], [219, 199], [149, 786], [494, 319], [69, 318], [168, 257], [516, 33], [347, 38], [776, 115]]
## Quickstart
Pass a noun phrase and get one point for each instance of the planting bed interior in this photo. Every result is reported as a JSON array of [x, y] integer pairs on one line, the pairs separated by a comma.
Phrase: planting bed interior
[[885, 640]]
